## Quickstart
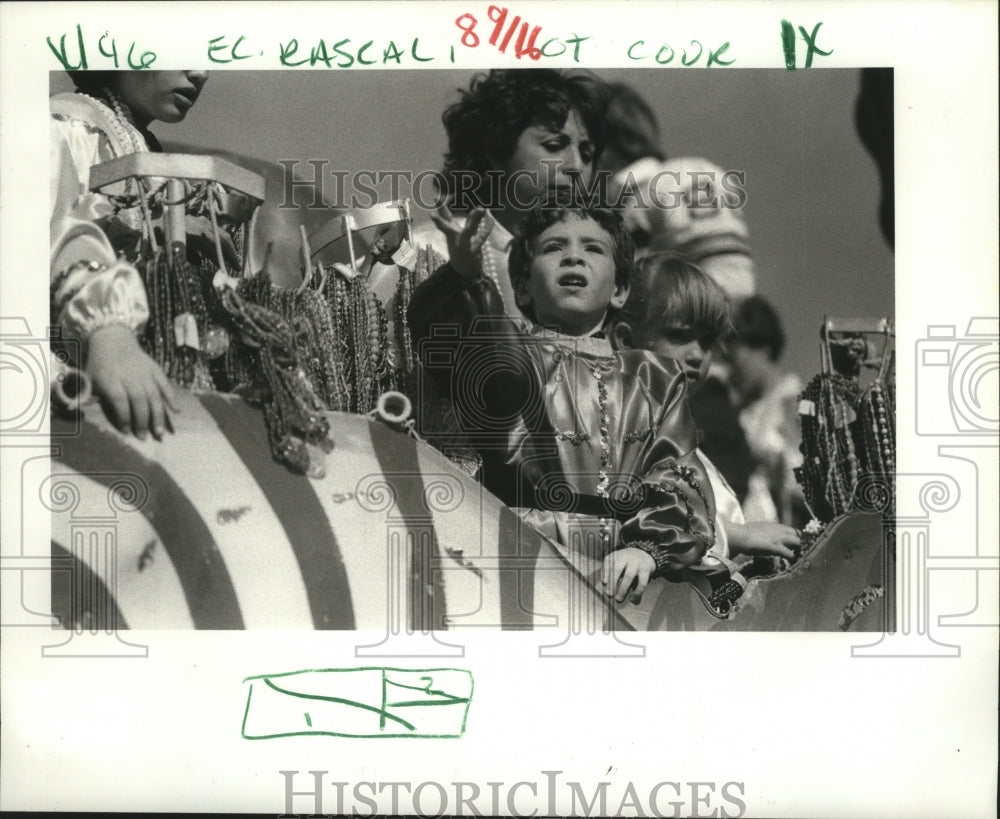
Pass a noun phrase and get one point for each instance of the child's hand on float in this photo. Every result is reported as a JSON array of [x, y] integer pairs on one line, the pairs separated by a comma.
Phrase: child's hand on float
[[763, 539], [465, 243], [625, 568], [133, 388]]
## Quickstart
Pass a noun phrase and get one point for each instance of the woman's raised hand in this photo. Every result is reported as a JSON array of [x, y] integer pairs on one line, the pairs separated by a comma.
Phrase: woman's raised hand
[[465, 242]]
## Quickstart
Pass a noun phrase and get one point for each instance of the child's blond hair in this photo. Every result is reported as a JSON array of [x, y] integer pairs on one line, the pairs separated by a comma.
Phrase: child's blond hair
[[668, 288]]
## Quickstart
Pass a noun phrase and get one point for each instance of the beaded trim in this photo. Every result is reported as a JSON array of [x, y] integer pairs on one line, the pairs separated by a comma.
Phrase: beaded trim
[[723, 597], [661, 556], [638, 435], [687, 474]]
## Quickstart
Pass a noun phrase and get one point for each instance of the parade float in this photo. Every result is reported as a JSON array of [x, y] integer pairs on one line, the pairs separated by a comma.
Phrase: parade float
[[301, 487]]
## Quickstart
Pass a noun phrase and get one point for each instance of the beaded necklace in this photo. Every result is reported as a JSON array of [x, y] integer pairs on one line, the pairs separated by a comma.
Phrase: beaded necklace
[[130, 139], [492, 259], [846, 432], [297, 427]]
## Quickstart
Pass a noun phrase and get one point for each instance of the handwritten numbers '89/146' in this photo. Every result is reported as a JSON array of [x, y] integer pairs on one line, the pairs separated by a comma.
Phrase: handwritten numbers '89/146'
[[503, 32]]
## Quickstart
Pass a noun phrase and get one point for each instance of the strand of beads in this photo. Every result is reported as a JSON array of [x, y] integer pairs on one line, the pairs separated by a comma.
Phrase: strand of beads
[[817, 448], [378, 341], [178, 316], [326, 364], [490, 264], [831, 467], [337, 304], [363, 369], [876, 421], [292, 409], [190, 322], [406, 364]]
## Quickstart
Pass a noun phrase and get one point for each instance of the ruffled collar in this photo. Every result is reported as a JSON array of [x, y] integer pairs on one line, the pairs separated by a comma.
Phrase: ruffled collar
[[597, 345]]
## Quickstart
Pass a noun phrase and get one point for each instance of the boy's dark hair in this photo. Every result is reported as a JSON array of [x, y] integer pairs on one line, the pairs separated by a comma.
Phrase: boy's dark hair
[[759, 327], [630, 130], [539, 219], [669, 287], [484, 125]]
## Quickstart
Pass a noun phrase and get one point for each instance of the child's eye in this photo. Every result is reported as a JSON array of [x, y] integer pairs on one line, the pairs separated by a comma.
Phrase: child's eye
[[550, 247], [595, 248]]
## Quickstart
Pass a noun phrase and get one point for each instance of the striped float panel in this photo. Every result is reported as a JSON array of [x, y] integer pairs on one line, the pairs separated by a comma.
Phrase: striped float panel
[[205, 530]]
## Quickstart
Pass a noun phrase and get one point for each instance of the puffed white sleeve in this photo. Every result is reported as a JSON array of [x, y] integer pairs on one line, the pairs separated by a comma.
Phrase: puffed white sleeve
[[90, 287]]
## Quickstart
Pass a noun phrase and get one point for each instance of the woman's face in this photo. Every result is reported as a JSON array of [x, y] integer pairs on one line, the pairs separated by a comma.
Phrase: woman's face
[[163, 95], [544, 163]]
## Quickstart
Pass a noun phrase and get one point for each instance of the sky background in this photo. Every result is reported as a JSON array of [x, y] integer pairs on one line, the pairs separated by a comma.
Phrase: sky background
[[812, 189]]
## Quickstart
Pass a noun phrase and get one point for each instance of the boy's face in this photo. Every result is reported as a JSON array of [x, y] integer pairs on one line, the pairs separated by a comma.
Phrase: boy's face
[[571, 279], [544, 162], [681, 343]]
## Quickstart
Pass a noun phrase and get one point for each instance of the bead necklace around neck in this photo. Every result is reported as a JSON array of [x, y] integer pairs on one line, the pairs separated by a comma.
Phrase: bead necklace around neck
[[129, 137]]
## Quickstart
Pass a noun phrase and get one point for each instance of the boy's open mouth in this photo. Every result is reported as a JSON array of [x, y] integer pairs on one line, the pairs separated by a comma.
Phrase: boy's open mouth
[[572, 280]]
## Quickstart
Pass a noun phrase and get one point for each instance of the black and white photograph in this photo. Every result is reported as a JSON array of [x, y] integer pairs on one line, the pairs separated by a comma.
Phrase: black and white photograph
[[321, 275], [390, 329]]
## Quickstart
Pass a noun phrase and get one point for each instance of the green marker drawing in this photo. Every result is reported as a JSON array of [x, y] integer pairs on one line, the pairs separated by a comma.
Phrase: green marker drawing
[[358, 702]]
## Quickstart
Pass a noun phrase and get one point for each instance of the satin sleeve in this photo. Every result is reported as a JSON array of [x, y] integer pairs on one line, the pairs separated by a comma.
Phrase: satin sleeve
[[90, 287], [676, 522]]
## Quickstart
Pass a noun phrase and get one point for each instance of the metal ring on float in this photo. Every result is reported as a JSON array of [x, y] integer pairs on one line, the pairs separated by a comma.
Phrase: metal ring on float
[[71, 389], [394, 408]]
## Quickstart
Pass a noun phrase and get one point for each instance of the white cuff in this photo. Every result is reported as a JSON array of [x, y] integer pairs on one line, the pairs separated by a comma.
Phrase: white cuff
[[86, 298]]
